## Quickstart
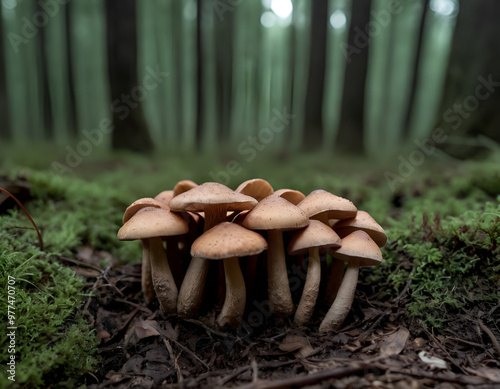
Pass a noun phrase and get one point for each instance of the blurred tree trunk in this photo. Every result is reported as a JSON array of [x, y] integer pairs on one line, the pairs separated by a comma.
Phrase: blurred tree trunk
[[416, 68], [42, 61], [469, 106], [73, 130], [4, 117], [199, 78], [317, 58], [130, 129], [350, 136]]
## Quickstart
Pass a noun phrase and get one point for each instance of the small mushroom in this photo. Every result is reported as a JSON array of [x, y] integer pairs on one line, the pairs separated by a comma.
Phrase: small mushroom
[[357, 249], [292, 195], [322, 205], [276, 215], [228, 241], [183, 186], [214, 200], [146, 278], [153, 224], [362, 221], [165, 196], [315, 237], [256, 188]]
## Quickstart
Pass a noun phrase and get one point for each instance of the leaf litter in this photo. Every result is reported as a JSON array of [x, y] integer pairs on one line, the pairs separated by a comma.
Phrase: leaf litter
[[142, 348]]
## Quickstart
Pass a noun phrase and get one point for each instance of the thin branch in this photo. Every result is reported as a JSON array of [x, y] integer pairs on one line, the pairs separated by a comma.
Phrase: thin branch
[[40, 240]]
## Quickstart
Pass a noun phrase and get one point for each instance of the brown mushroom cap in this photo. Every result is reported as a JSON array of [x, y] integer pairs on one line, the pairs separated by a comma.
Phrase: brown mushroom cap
[[228, 240], [142, 203], [275, 213], [152, 222], [359, 245], [256, 188], [292, 195], [363, 221], [165, 196], [320, 202], [183, 186], [204, 196], [316, 234]]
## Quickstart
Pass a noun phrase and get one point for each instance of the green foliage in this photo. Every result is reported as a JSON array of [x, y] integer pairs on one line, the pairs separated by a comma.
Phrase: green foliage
[[455, 259], [53, 342]]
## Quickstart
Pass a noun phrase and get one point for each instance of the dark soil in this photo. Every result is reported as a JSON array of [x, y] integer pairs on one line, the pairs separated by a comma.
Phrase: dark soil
[[377, 348]]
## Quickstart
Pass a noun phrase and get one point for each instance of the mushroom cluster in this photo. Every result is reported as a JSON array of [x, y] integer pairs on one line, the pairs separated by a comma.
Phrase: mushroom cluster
[[184, 230]]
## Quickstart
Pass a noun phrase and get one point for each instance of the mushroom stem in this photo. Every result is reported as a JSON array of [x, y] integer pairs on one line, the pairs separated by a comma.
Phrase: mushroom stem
[[163, 281], [280, 297], [190, 294], [311, 289], [174, 259], [215, 216], [342, 304], [234, 303], [146, 278], [335, 279]]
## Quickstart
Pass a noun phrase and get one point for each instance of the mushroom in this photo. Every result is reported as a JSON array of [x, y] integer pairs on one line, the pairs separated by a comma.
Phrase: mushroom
[[228, 241], [292, 195], [275, 215], [214, 200], [165, 196], [183, 186], [357, 249], [322, 205], [315, 237], [362, 221], [146, 279], [256, 188], [151, 224]]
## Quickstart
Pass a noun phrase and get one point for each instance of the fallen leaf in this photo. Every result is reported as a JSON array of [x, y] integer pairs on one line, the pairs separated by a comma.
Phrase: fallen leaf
[[146, 328], [434, 362], [297, 344], [394, 343]]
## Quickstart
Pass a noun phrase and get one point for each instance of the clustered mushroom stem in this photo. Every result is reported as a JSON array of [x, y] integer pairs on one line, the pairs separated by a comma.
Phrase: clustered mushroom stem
[[214, 216], [174, 259], [191, 292], [342, 304], [335, 279], [280, 297], [311, 289], [234, 303], [163, 281], [146, 277]]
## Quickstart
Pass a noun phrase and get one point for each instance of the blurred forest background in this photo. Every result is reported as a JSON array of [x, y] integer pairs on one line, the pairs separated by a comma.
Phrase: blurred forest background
[[359, 76]]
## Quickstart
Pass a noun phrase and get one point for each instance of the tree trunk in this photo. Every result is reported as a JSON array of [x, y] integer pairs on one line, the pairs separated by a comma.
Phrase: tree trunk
[[350, 136], [468, 108], [418, 56], [130, 129], [317, 58]]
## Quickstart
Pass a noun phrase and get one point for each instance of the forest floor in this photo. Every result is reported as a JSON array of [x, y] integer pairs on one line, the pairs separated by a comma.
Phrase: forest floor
[[429, 316]]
